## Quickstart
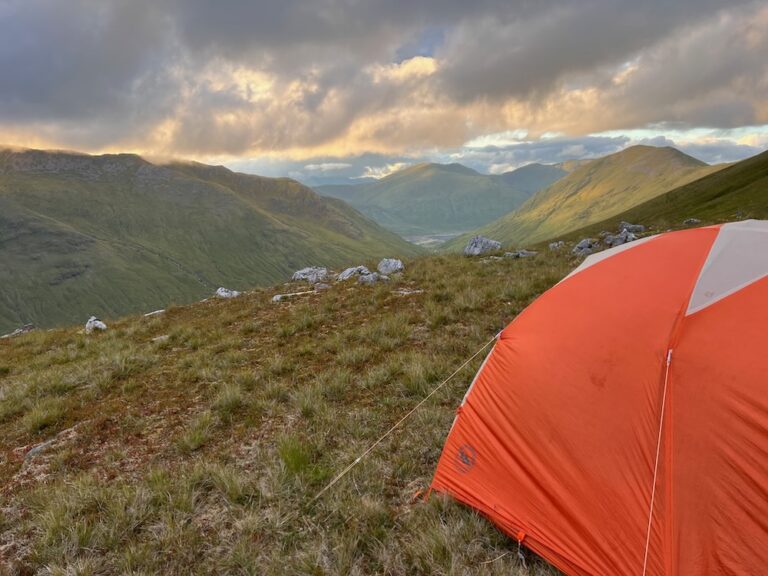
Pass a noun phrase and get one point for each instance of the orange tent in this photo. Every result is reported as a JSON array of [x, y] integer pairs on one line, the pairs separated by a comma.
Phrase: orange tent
[[619, 426]]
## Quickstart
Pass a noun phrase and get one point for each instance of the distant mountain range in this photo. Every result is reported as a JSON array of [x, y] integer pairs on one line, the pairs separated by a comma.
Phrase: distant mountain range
[[115, 234], [593, 191], [443, 198]]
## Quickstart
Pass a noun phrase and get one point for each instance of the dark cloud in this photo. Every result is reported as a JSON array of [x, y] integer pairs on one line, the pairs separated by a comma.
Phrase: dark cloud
[[167, 75]]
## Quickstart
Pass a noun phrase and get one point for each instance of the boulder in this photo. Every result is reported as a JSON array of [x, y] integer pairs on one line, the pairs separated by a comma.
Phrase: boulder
[[691, 221], [352, 272], [556, 245], [94, 325], [372, 278], [311, 274], [634, 228], [585, 247], [520, 254], [227, 293], [481, 245], [618, 239], [390, 266], [19, 331]]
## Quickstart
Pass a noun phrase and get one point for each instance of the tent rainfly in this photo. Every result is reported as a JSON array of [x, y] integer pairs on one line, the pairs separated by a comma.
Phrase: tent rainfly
[[619, 426]]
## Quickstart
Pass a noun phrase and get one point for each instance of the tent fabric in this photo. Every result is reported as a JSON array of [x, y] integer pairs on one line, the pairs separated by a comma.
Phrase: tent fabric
[[556, 442]]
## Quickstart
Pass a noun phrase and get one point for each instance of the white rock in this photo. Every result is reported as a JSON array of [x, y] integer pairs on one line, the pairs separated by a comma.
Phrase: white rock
[[94, 324], [556, 245], [352, 272], [311, 274], [372, 278], [390, 266], [480, 245], [227, 293]]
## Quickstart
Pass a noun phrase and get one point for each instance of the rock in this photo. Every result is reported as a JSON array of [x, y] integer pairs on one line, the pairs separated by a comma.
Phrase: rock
[[618, 239], [19, 331], [372, 278], [481, 245], [556, 245], [520, 254], [634, 228], [352, 272], [155, 313], [281, 297], [161, 339], [321, 286], [94, 324], [42, 447], [603, 234], [311, 274], [227, 293], [585, 247], [408, 292], [691, 221], [390, 266]]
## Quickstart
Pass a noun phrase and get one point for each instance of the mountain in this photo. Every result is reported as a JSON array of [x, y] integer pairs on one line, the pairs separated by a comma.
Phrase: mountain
[[441, 198], [531, 178], [593, 191], [736, 192], [112, 234]]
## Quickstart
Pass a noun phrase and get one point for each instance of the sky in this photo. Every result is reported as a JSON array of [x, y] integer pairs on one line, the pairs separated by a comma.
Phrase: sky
[[341, 90]]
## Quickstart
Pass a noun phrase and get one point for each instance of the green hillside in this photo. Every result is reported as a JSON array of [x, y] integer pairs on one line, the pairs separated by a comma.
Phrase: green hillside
[[442, 198], [113, 234], [193, 442], [737, 192], [592, 192]]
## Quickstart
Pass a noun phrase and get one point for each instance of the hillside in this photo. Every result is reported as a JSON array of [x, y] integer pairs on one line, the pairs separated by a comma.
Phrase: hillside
[[592, 192], [193, 442], [737, 192], [113, 234], [442, 198]]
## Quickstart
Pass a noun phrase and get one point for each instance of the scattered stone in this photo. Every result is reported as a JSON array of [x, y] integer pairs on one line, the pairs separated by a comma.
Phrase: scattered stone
[[372, 278], [634, 228], [281, 297], [556, 245], [585, 247], [42, 447], [94, 324], [155, 313], [227, 293], [311, 274], [691, 222], [161, 339], [390, 266], [603, 234], [321, 286], [352, 272], [407, 292], [520, 254], [481, 245], [618, 239], [19, 331]]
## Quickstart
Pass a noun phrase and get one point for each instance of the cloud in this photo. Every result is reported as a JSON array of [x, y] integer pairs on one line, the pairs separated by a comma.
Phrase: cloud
[[327, 167], [312, 79]]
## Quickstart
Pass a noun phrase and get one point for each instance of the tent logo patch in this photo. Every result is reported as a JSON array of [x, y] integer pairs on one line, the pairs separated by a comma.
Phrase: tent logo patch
[[466, 458]]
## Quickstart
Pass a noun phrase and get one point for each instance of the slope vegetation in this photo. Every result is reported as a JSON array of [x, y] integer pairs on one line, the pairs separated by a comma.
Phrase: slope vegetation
[[442, 199], [737, 192], [107, 235], [594, 191], [194, 442]]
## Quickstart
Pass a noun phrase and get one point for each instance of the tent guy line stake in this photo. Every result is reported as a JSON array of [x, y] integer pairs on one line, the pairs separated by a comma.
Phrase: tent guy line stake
[[357, 460], [656, 465]]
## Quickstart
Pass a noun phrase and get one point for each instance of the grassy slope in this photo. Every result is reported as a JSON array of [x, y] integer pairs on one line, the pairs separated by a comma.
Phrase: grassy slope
[[199, 452], [435, 198], [737, 192], [107, 235], [593, 192]]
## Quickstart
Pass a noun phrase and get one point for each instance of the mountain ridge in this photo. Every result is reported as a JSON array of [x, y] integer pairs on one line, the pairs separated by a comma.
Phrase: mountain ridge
[[76, 228]]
